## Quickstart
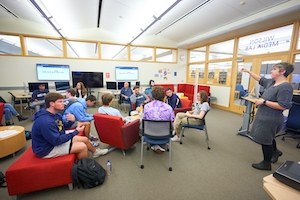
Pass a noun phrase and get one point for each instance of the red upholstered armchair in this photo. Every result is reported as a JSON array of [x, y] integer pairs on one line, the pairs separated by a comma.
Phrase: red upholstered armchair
[[1, 112], [186, 106], [112, 131]]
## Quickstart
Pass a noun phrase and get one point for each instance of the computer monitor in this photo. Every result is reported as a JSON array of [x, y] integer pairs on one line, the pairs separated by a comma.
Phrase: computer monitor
[[121, 85], [35, 85], [137, 83], [59, 86], [111, 85]]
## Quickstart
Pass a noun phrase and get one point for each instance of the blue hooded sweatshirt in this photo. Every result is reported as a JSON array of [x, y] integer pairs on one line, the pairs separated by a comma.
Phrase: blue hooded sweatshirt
[[48, 131], [78, 110]]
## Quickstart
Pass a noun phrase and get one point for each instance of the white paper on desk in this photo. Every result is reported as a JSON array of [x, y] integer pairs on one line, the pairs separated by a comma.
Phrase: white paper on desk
[[7, 133]]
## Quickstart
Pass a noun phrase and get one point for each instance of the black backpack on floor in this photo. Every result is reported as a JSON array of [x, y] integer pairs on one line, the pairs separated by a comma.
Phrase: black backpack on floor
[[88, 173], [2, 180]]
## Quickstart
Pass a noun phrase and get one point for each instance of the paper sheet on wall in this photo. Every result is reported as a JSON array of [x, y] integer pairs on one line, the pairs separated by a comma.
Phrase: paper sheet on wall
[[7, 133]]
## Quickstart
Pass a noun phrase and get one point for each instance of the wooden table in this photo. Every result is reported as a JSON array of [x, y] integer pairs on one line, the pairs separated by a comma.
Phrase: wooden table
[[13, 143], [278, 190], [21, 97]]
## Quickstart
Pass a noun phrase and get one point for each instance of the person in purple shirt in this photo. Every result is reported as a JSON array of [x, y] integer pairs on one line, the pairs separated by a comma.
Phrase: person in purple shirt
[[158, 110]]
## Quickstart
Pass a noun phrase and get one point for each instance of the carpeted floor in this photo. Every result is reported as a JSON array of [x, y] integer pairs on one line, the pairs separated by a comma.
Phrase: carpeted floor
[[224, 172]]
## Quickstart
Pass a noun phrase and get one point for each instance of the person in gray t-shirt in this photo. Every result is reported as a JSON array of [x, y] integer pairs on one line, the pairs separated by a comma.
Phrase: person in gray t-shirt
[[195, 116], [277, 97]]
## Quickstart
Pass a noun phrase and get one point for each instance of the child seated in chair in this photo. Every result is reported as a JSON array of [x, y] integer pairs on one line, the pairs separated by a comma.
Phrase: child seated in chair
[[195, 116], [106, 109]]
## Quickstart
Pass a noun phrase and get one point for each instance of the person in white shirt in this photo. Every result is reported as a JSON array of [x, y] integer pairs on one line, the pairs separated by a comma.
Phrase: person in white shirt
[[81, 90]]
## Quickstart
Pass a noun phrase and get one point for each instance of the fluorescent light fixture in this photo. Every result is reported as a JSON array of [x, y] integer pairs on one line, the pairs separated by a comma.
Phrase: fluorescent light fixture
[[41, 8]]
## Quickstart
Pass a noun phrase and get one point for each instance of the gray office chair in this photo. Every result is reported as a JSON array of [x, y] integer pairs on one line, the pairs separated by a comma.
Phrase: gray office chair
[[156, 132], [202, 127]]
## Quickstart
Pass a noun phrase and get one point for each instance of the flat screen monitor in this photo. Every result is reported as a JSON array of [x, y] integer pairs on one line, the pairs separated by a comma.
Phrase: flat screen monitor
[[53, 72], [59, 86], [35, 85], [89, 79], [121, 85], [127, 73], [111, 85]]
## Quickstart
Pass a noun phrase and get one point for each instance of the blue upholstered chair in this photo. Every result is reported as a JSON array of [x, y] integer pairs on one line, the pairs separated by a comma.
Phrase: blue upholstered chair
[[202, 127], [156, 132], [241, 89]]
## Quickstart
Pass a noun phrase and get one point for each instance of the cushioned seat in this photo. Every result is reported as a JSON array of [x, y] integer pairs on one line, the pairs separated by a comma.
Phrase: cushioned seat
[[30, 173]]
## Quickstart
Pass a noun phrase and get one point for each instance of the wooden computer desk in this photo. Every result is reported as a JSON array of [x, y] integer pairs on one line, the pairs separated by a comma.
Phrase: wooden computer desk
[[244, 130], [278, 190], [21, 97]]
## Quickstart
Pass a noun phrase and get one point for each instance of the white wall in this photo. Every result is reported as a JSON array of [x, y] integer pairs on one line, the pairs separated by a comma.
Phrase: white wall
[[222, 95], [16, 70]]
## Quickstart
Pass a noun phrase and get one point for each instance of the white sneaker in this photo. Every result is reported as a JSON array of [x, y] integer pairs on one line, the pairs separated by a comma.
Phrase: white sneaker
[[158, 149], [175, 139], [99, 152]]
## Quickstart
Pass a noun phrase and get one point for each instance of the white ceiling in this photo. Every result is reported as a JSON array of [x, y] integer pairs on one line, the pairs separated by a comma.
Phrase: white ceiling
[[122, 19]]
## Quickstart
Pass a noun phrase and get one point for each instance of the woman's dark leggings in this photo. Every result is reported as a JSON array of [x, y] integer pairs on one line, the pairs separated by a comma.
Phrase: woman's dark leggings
[[268, 151]]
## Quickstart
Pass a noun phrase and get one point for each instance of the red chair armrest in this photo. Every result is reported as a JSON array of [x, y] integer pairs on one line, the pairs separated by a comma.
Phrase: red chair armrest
[[130, 133]]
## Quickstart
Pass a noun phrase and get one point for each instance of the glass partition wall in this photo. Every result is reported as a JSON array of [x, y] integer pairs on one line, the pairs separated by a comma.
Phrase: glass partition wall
[[220, 64]]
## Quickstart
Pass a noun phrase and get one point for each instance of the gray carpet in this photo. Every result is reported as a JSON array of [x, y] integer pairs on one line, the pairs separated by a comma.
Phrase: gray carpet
[[224, 172]]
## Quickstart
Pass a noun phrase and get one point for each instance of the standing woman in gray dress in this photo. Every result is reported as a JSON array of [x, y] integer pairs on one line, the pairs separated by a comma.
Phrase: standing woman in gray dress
[[268, 121]]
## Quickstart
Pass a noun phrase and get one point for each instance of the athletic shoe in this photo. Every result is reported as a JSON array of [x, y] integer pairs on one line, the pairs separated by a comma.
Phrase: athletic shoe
[[158, 149], [175, 139], [99, 152]]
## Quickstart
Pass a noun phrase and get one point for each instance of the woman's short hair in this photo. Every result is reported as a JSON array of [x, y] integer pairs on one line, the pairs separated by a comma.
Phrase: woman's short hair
[[107, 98], [288, 67], [203, 96], [52, 97], [158, 93]]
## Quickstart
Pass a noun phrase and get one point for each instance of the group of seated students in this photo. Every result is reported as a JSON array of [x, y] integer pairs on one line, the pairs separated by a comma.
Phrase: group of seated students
[[49, 136]]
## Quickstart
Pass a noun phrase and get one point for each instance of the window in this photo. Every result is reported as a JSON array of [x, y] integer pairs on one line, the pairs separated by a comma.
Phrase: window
[[10, 45], [141, 53], [219, 73], [165, 55], [114, 52], [221, 50], [271, 41], [296, 73], [194, 69], [82, 49], [198, 55], [44, 47]]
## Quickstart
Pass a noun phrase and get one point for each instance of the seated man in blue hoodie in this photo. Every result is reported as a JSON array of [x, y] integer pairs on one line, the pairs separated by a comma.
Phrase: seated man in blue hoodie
[[172, 99], [37, 97], [49, 138], [78, 109]]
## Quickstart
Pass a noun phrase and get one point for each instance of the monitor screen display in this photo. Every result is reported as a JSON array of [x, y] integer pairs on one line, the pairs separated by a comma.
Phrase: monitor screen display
[[47, 72], [127, 73], [61, 86], [34, 86], [121, 85], [111, 85], [89, 79]]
